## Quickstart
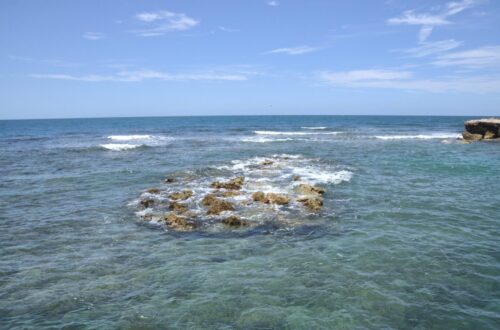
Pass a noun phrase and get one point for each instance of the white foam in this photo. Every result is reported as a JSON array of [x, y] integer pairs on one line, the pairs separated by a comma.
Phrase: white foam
[[318, 175], [314, 127], [129, 137], [293, 133], [420, 136], [119, 147], [259, 139]]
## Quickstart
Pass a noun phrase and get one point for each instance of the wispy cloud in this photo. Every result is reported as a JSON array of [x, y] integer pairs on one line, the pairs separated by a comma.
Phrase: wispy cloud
[[93, 35], [427, 21], [51, 62], [145, 74], [482, 57], [404, 80], [226, 29], [433, 48], [295, 50], [273, 3], [162, 22]]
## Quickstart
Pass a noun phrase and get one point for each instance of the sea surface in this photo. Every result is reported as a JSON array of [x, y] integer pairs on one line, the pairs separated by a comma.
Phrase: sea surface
[[408, 236]]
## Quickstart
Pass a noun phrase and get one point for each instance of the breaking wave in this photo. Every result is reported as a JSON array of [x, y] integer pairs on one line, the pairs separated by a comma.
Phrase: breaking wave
[[420, 136], [293, 133]]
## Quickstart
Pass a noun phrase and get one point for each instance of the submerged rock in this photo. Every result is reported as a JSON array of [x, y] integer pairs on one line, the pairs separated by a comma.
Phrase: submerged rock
[[234, 184], [154, 191], [147, 203], [270, 198], [177, 222], [178, 207], [181, 195], [230, 193], [169, 180], [313, 203], [235, 221], [307, 189], [267, 162], [488, 128], [296, 178]]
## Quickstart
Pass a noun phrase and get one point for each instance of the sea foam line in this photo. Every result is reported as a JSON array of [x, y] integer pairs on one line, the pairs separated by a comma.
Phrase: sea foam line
[[119, 147], [420, 136], [314, 127], [293, 133], [129, 137]]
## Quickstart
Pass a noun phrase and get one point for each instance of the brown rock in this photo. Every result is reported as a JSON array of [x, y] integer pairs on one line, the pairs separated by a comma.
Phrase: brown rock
[[267, 162], [153, 191], [219, 205], [181, 195], [209, 199], [296, 178], [312, 203], [278, 199], [234, 184], [178, 207], [235, 221], [307, 189], [270, 198], [169, 180], [230, 193], [178, 222], [471, 137]]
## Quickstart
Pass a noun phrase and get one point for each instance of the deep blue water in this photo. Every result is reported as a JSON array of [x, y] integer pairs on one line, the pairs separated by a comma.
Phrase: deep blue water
[[408, 236]]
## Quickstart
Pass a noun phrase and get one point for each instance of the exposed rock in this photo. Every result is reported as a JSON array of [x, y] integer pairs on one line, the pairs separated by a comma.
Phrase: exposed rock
[[209, 199], [489, 135], [296, 178], [219, 205], [488, 128], [267, 162], [471, 137], [230, 193], [169, 180], [307, 189], [181, 195], [155, 191], [270, 198], [178, 222], [279, 199], [313, 203], [235, 221], [234, 184], [178, 207], [259, 196], [146, 203]]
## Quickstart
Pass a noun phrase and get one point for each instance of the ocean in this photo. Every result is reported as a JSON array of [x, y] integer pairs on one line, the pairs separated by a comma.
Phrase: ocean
[[407, 237]]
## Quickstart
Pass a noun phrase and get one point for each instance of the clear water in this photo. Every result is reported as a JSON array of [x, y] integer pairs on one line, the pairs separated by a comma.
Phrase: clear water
[[409, 240]]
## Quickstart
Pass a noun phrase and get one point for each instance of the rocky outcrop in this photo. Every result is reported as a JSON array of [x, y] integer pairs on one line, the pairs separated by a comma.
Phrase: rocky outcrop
[[267, 162], [181, 195], [178, 223], [216, 205], [178, 207], [154, 191], [235, 221], [312, 203], [482, 129], [307, 189], [169, 180], [147, 203], [270, 198], [234, 184]]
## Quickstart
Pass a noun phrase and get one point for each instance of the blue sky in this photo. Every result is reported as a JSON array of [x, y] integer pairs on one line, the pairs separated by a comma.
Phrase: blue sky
[[110, 58]]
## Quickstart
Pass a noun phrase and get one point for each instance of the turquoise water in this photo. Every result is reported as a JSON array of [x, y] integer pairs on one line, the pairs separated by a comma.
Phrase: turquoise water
[[408, 236]]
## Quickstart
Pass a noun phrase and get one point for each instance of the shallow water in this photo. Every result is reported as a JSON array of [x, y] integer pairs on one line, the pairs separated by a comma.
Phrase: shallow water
[[408, 240]]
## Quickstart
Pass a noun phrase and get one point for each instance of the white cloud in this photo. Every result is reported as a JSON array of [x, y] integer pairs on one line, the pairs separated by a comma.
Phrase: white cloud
[[404, 80], [226, 29], [433, 48], [164, 22], [488, 56], [273, 3], [295, 50], [143, 75], [428, 21], [93, 35]]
